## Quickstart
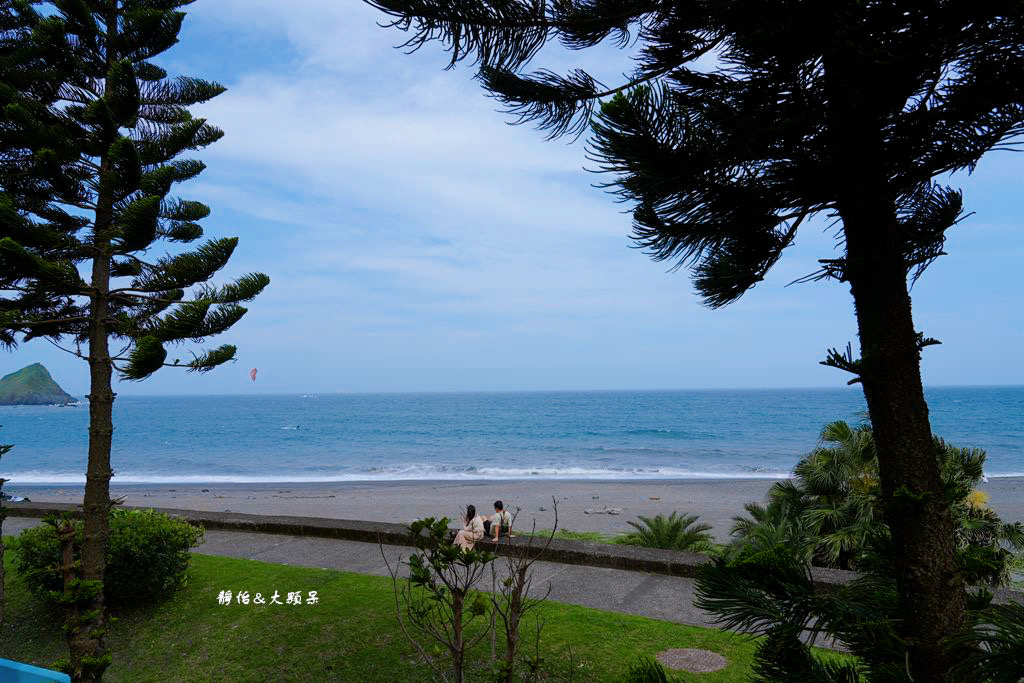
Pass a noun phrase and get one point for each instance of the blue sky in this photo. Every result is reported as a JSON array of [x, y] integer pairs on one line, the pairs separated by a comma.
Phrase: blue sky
[[416, 242]]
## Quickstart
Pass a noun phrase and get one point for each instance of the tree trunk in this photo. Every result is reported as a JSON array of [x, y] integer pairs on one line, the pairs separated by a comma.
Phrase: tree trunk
[[87, 621], [458, 653], [515, 613], [88, 654], [3, 514], [932, 596]]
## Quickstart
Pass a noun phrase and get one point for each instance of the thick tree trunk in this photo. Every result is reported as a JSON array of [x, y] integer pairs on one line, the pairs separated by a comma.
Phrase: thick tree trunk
[[932, 596]]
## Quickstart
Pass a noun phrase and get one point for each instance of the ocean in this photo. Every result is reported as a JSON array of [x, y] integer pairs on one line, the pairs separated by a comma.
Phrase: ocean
[[465, 436]]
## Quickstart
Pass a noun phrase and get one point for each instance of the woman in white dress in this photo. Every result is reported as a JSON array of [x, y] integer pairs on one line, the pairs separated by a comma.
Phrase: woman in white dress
[[472, 531]]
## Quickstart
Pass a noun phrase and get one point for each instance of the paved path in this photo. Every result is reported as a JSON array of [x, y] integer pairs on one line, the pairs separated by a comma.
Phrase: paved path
[[668, 598]]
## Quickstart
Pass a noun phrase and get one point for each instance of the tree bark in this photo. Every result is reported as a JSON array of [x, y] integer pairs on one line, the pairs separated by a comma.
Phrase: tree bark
[[89, 657], [458, 652], [932, 596], [514, 614], [3, 514], [85, 639], [86, 642]]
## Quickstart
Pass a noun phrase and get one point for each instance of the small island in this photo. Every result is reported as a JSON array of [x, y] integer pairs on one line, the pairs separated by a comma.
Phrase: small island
[[32, 386]]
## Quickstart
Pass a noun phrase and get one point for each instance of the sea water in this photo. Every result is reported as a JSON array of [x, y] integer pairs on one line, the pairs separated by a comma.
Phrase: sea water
[[544, 435]]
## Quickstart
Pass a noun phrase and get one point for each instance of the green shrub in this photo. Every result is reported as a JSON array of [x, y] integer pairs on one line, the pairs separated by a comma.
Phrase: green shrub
[[832, 505], [994, 645], [671, 533], [646, 671], [147, 555]]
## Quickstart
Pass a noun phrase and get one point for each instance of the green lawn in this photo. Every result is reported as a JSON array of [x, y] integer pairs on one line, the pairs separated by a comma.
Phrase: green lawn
[[568, 535], [350, 635], [597, 536]]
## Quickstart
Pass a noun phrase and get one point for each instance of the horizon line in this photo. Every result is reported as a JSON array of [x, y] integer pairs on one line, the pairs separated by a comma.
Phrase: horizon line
[[400, 392]]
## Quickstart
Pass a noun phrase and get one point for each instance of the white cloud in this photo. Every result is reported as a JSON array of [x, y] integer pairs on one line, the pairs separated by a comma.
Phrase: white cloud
[[411, 233]]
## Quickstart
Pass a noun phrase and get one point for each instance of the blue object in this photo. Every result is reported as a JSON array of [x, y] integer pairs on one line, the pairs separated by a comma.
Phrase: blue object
[[16, 672]]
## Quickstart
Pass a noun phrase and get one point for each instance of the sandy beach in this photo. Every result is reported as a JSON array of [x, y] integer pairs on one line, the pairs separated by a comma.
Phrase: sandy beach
[[580, 502]]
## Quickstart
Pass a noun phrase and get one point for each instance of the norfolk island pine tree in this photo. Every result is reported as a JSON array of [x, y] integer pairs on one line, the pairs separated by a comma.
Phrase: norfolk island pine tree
[[847, 109], [3, 514], [87, 188]]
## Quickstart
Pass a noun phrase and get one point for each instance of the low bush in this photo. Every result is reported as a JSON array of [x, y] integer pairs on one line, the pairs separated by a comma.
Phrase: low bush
[[830, 507], [671, 533], [646, 670], [147, 555]]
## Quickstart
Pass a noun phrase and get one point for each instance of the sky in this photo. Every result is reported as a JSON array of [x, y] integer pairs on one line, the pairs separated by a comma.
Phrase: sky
[[416, 241]]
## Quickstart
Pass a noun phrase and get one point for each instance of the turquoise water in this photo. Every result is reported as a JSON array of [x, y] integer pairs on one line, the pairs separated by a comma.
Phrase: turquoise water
[[608, 435]]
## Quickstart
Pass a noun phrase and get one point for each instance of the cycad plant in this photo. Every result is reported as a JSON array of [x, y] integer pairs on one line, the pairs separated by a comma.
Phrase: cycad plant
[[995, 645], [91, 154], [830, 514], [646, 670], [769, 591], [771, 525], [832, 505], [671, 533]]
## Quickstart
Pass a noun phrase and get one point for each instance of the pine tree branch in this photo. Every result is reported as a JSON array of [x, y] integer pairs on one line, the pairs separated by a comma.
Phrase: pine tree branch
[[636, 81], [505, 33], [132, 293], [53, 321], [407, 11], [565, 104], [76, 354], [83, 206]]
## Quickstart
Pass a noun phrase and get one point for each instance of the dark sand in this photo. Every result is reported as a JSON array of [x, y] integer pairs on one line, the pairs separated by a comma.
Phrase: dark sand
[[715, 501]]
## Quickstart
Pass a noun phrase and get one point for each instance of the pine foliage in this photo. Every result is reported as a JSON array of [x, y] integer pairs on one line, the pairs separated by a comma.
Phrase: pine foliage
[[724, 159], [91, 155], [91, 135]]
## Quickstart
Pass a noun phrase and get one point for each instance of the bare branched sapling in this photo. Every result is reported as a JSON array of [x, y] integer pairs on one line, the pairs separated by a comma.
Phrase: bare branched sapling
[[438, 598], [511, 598]]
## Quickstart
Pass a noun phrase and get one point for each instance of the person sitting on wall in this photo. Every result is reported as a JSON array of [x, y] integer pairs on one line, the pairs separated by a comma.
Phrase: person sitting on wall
[[499, 523], [472, 531]]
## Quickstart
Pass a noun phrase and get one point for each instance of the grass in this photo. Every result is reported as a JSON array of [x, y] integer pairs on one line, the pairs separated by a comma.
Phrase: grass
[[350, 635], [615, 538], [568, 535]]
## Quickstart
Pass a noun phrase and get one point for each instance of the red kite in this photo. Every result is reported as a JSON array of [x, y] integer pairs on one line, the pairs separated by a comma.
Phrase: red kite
[[252, 373]]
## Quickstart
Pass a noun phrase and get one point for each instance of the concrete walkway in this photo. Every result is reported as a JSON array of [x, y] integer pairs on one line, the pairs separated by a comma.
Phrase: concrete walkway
[[669, 598]]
